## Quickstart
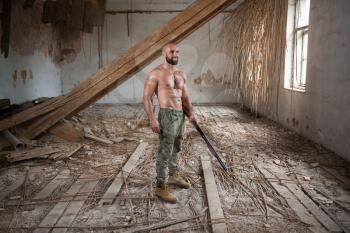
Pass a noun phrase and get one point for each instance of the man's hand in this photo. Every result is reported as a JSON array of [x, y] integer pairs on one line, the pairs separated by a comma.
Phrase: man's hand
[[192, 117], [155, 126]]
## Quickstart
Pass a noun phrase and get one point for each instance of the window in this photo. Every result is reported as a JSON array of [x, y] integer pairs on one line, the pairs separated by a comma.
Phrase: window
[[297, 44]]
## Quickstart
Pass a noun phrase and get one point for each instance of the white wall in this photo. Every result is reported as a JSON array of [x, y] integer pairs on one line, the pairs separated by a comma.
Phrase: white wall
[[322, 113], [24, 78]]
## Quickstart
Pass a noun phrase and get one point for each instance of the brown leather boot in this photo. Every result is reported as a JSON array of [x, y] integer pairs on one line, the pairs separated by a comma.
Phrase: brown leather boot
[[178, 181], [162, 191]]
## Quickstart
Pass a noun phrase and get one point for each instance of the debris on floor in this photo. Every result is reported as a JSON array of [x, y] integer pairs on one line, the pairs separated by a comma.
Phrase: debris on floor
[[276, 181]]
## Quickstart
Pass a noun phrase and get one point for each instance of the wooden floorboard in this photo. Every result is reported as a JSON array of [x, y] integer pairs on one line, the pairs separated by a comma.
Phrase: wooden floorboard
[[118, 182], [56, 212], [73, 209], [50, 187], [297, 205], [215, 210]]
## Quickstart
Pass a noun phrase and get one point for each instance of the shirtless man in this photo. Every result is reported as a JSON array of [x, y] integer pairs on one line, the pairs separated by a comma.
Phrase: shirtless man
[[169, 84]]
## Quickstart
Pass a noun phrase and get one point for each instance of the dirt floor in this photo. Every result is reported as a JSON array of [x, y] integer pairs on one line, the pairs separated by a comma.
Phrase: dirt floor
[[251, 200]]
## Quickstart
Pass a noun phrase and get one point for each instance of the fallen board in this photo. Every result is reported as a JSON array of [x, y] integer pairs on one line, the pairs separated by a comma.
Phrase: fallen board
[[50, 187], [73, 209], [43, 152], [215, 210], [300, 210], [118, 182], [55, 213], [316, 211]]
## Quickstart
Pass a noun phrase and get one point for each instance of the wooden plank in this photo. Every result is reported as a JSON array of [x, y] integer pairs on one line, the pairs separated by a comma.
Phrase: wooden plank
[[213, 198], [299, 209], [98, 139], [118, 182], [106, 83], [67, 131], [317, 212], [68, 154], [337, 175], [160, 225], [31, 153], [56, 212], [110, 76], [50, 187], [73, 209]]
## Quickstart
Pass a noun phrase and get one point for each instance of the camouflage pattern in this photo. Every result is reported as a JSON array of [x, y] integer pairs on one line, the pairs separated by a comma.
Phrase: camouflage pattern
[[172, 127]]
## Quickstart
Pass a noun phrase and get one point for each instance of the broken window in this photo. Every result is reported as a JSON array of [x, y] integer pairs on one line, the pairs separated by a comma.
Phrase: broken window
[[297, 44]]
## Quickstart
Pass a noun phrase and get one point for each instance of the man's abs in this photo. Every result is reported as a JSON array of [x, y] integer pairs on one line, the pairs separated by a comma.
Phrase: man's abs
[[169, 98]]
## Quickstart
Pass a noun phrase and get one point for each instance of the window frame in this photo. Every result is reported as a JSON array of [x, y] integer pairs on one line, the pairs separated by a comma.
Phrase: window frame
[[296, 55]]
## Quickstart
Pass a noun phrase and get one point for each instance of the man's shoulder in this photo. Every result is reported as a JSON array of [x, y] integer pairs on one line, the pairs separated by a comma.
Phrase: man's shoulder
[[156, 71]]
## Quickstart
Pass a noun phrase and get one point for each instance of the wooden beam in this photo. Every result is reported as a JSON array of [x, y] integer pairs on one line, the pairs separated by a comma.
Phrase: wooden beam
[[112, 75], [118, 182], [215, 210]]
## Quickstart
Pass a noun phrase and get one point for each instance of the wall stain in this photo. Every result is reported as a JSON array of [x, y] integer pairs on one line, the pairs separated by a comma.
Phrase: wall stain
[[24, 76], [209, 79], [14, 78]]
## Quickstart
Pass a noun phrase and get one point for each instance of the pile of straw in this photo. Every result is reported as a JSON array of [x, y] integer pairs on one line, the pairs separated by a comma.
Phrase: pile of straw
[[253, 37]]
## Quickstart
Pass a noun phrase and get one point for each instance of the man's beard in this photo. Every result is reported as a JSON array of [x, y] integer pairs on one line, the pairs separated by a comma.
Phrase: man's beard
[[172, 61]]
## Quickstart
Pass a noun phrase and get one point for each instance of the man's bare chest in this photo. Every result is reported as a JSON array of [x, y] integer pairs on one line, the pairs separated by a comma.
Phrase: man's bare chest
[[172, 81]]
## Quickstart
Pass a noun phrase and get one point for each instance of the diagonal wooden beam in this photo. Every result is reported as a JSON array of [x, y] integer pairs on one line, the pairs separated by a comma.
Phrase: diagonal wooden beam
[[119, 70]]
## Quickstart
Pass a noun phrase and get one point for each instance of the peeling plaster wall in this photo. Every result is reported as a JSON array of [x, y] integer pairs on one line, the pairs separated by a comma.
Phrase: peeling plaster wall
[[121, 31], [24, 78], [322, 113]]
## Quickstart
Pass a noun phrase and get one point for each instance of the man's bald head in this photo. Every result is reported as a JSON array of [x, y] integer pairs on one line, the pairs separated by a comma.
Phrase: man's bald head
[[170, 53]]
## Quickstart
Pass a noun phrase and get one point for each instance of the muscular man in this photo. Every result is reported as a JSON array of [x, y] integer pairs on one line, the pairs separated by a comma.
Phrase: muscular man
[[169, 84]]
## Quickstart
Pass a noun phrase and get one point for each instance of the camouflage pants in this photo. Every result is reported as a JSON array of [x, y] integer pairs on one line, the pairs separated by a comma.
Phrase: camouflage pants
[[172, 127]]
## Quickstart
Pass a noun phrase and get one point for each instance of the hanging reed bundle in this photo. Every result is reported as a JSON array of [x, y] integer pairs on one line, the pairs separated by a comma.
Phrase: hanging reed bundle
[[253, 37]]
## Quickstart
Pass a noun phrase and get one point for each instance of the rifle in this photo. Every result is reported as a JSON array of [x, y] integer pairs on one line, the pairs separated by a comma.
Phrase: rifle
[[211, 148]]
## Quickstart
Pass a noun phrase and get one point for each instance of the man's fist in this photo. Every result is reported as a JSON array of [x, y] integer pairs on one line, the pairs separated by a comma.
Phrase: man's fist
[[192, 117], [155, 126]]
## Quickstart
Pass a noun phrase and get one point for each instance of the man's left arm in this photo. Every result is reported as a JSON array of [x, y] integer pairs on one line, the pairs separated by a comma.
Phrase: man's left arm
[[186, 103]]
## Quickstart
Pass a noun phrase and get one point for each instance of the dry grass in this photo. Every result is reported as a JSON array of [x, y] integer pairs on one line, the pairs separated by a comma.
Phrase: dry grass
[[254, 39]]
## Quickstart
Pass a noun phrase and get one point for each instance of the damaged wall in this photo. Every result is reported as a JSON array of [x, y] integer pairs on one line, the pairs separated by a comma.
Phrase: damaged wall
[[42, 36], [28, 71]]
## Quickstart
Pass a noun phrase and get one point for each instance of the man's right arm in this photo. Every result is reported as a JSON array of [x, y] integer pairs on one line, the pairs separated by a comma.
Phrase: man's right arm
[[149, 89]]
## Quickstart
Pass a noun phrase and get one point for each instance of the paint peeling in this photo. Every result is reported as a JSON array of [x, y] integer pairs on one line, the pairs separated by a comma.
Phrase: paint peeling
[[209, 79], [60, 37]]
